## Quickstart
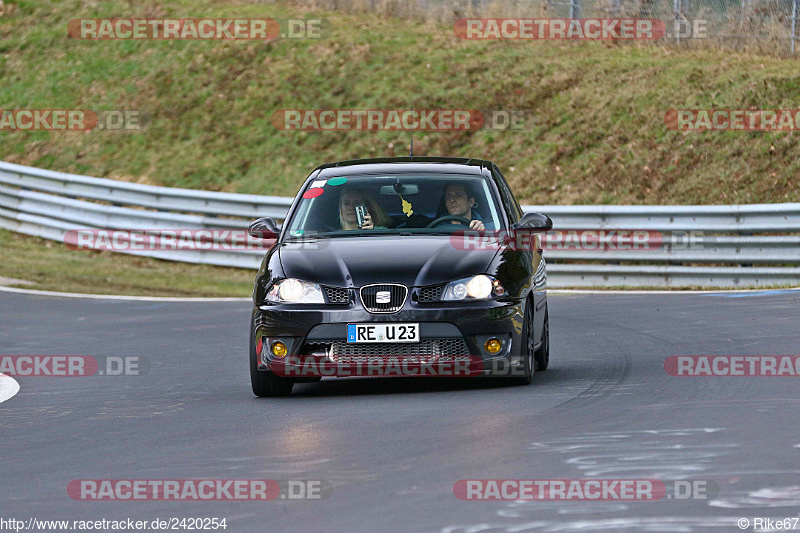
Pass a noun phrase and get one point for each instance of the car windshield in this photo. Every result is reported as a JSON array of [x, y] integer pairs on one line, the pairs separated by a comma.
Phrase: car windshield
[[399, 203]]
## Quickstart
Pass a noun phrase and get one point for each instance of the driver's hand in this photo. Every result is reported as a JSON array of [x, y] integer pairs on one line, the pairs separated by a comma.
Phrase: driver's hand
[[367, 222], [477, 225]]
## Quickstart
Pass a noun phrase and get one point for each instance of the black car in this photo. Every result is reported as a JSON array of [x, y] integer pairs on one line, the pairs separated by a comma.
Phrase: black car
[[377, 259]]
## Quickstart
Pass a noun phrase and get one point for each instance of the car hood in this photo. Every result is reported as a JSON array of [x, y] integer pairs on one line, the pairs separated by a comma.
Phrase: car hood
[[357, 261]]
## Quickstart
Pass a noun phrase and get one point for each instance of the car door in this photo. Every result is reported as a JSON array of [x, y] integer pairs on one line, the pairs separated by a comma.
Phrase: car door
[[533, 257]]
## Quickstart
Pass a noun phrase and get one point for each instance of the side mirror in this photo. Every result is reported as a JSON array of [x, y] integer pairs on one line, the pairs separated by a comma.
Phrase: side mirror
[[535, 221], [264, 228]]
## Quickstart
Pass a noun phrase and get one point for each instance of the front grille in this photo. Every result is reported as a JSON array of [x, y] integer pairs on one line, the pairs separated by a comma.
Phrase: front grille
[[430, 294], [337, 296], [427, 347], [374, 297]]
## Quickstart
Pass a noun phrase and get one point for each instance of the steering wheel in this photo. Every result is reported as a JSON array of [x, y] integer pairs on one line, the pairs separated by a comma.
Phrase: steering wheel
[[461, 220]]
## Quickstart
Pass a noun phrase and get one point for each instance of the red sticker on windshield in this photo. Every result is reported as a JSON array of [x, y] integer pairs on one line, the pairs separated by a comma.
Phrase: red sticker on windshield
[[313, 193]]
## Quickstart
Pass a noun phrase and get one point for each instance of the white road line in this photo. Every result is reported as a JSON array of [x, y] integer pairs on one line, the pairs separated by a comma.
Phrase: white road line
[[633, 291], [248, 299], [8, 387]]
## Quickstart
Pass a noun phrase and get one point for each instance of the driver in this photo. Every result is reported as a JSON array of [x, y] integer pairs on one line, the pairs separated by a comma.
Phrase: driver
[[459, 202]]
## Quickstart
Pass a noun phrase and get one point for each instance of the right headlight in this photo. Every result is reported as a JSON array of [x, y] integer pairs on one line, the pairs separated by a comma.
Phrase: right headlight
[[294, 291], [478, 287]]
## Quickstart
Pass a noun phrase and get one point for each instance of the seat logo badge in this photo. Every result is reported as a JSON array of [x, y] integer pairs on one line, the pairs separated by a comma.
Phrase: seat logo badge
[[383, 297]]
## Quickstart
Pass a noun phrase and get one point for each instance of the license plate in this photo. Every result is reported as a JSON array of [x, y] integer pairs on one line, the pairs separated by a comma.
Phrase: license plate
[[382, 333]]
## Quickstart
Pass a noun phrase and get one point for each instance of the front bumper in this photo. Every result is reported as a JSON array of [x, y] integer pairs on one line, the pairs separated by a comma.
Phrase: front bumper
[[447, 330]]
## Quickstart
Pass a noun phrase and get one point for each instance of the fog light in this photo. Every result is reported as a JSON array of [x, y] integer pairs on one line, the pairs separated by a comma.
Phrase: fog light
[[279, 349], [493, 345]]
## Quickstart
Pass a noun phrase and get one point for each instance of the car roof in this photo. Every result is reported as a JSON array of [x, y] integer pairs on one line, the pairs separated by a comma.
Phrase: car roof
[[390, 165]]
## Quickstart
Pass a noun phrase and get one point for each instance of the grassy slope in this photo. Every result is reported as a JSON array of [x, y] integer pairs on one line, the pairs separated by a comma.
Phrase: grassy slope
[[598, 135], [50, 266]]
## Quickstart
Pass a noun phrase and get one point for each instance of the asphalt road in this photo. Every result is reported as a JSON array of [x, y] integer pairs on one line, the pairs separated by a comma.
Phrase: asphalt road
[[389, 451]]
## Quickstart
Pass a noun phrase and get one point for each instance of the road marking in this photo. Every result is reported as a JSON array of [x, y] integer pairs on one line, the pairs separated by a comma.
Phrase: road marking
[[8, 387], [720, 292], [714, 292], [748, 295]]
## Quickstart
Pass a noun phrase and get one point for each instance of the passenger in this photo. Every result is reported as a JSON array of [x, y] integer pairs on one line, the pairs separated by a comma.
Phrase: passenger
[[349, 199], [459, 201]]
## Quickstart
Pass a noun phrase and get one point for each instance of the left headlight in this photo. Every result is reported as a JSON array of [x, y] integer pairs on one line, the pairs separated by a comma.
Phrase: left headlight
[[294, 291], [478, 287]]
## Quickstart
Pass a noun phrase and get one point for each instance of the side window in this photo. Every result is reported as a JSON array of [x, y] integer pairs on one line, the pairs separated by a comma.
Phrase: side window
[[510, 203]]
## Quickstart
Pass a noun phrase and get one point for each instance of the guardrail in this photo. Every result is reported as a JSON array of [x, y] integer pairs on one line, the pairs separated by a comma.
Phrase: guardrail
[[724, 238]]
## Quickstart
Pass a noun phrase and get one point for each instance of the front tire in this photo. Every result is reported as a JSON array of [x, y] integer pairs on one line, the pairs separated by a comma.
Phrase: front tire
[[543, 353], [526, 350], [266, 384]]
